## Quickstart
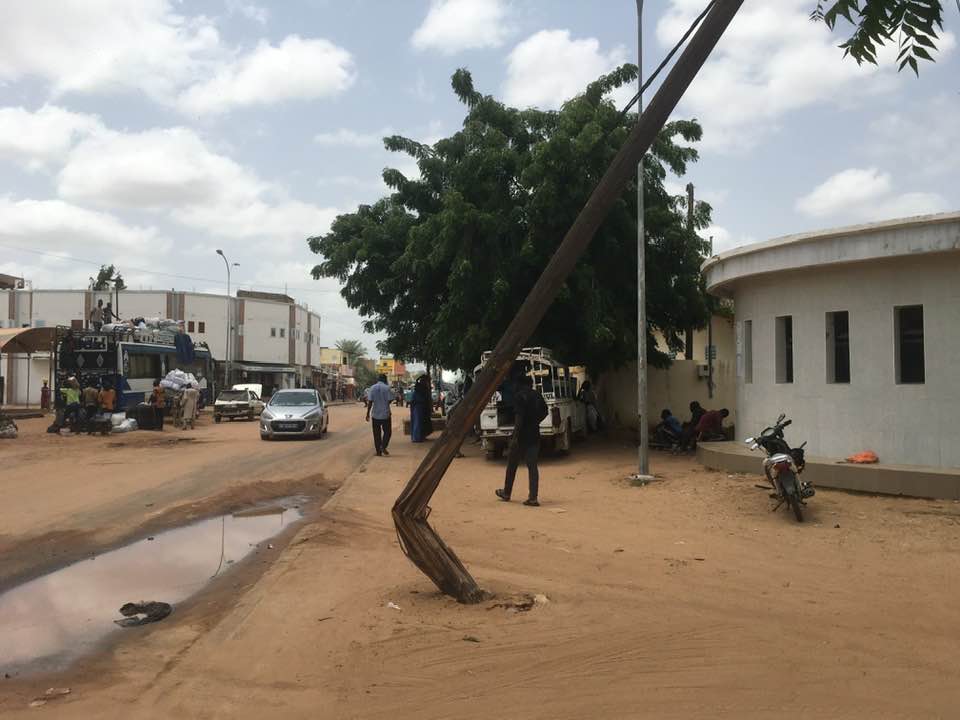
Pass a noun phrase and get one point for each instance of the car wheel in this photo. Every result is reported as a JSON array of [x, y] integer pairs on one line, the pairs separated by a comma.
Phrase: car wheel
[[264, 437], [216, 418]]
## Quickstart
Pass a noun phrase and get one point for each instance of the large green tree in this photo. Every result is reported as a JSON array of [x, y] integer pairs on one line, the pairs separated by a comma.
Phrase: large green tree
[[107, 276], [442, 264]]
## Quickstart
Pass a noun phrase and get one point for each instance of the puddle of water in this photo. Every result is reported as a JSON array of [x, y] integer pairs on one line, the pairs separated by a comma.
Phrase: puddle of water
[[50, 621]]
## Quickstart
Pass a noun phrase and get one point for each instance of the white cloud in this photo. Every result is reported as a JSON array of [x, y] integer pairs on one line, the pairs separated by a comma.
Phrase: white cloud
[[56, 225], [39, 139], [550, 67], [922, 139], [249, 10], [297, 68], [455, 25], [161, 168], [173, 170], [865, 194], [345, 137], [104, 45], [771, 61]]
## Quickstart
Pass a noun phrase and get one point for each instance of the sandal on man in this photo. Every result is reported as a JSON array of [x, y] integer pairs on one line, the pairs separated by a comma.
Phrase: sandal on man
[[502, 495]]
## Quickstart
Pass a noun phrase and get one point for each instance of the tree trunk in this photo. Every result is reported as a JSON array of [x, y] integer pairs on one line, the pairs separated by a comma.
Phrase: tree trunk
[[418, 540]]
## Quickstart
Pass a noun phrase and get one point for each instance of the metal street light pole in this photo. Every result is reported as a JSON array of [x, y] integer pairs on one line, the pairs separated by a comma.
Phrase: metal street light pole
[[643, 464], [226, 352]]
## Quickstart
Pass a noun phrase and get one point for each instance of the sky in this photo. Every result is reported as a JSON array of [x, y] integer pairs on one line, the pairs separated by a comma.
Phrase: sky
[[150, 133]]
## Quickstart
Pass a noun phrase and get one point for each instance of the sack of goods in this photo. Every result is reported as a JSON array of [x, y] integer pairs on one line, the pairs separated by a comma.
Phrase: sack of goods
[[127, 425], [178, 380]]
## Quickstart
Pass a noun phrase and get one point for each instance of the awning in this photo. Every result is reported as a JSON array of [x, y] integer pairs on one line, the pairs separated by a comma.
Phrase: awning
[[27, 340], [283, 370]]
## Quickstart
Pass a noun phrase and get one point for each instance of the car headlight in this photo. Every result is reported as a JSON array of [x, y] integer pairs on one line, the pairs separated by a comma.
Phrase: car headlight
[[266, 415], [312, 415]]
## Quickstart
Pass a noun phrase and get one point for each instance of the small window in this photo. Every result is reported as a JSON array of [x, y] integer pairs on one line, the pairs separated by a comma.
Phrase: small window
[[748, 351], [190, 327], [908, 326], [784, 349], [273, 332], [76, 324], [202, 327], [283, 332], [838, 347]]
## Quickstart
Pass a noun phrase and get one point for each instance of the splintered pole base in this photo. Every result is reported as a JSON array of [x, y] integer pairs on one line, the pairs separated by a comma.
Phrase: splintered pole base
[[417, 539], [438, 562]]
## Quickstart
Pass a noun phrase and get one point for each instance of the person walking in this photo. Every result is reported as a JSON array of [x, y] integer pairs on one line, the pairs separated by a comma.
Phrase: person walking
[[45, 396], [378, 405], [529, 408]]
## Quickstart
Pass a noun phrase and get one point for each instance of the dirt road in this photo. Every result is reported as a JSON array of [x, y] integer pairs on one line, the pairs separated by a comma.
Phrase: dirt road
[[685, 598], [67, 497]]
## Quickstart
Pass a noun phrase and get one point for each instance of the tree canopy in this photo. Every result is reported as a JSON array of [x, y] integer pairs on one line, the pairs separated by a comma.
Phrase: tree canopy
[[912, 23], [106, 276], [442, 264], [353, 350]]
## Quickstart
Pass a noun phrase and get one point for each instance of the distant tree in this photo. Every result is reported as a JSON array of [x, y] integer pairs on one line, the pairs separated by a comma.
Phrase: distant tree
[[106, 277], [364, 376], [912, 24], [353, 350], [442, 264]]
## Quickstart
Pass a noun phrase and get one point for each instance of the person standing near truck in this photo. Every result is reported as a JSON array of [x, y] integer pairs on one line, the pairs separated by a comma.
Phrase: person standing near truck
[[530, 408]]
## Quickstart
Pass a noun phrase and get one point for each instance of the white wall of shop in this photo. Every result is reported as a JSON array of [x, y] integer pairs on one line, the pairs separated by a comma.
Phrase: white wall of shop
[[903, 423], [265, 331]]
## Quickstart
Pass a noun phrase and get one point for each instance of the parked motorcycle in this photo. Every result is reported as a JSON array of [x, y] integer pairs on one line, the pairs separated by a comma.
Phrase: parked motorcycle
[[782, 467]]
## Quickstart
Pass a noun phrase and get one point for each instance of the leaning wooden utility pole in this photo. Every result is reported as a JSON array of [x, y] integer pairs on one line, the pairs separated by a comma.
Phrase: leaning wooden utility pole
[[418, 540]]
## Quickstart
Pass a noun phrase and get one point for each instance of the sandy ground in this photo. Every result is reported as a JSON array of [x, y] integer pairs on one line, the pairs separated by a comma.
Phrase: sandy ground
[[65, 497], [685, 598]]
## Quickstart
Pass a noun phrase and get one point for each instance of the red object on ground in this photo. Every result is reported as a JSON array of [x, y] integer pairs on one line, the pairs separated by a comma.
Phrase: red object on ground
[[863, 458]]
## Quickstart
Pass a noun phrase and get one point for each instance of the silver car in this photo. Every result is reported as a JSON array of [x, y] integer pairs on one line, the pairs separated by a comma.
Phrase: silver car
[[294, 413]]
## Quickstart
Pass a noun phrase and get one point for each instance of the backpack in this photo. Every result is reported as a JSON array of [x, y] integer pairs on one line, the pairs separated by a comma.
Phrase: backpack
[[542, 410]]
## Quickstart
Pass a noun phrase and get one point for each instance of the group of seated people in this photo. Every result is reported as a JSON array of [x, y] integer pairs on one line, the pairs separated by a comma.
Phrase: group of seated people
[[683, 436], [91, 400]]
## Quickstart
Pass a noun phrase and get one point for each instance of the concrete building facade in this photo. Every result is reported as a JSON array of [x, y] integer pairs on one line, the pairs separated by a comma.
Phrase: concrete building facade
[[275, 341], [854, 333]]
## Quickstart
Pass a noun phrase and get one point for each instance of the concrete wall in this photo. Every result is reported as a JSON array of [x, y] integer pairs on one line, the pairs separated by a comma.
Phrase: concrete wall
[[904, 424], [674, 387], [259, 317]]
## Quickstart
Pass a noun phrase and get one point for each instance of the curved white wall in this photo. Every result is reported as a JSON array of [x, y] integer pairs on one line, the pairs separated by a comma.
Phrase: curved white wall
[[912, 424]]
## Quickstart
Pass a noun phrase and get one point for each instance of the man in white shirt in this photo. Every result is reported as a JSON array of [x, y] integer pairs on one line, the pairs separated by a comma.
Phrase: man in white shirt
[[378, 405]]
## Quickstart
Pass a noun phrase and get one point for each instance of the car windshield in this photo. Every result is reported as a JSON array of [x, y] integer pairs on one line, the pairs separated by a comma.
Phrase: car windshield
[[233, 395], [294, 399]]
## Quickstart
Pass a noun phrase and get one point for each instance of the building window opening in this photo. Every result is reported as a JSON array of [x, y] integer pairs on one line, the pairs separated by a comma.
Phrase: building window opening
[[838, 347], [908, 322], [283, 332], [190, 326], [784, 349], [273, 332], [202, 327]]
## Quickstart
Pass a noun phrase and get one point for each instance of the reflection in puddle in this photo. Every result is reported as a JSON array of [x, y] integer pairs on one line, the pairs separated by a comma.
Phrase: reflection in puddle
[[48, 622]]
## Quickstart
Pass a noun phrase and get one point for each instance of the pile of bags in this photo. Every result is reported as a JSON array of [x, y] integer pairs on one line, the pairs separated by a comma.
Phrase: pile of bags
[[178, 380], [8, 428], [157, 324]]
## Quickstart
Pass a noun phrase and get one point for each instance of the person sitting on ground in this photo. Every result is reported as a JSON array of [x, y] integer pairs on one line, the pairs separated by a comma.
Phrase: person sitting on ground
[[689, 434], [711, 424], [671, 424]]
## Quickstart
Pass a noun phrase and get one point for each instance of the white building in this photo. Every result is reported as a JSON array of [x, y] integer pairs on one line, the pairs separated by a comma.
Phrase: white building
[[855, 334], [275, 341]]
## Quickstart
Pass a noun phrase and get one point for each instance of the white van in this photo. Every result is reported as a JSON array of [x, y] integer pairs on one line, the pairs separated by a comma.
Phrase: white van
[[566, 417]]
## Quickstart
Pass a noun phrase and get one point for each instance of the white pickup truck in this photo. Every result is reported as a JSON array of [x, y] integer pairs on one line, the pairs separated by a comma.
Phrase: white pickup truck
[[566, 417]]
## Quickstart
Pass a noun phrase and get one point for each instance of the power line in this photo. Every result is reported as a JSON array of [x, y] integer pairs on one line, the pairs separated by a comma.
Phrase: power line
[[668, 58], [93, 263]]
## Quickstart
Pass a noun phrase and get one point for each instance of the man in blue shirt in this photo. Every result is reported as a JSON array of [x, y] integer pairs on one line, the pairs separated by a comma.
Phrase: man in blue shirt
[[379, 398]]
